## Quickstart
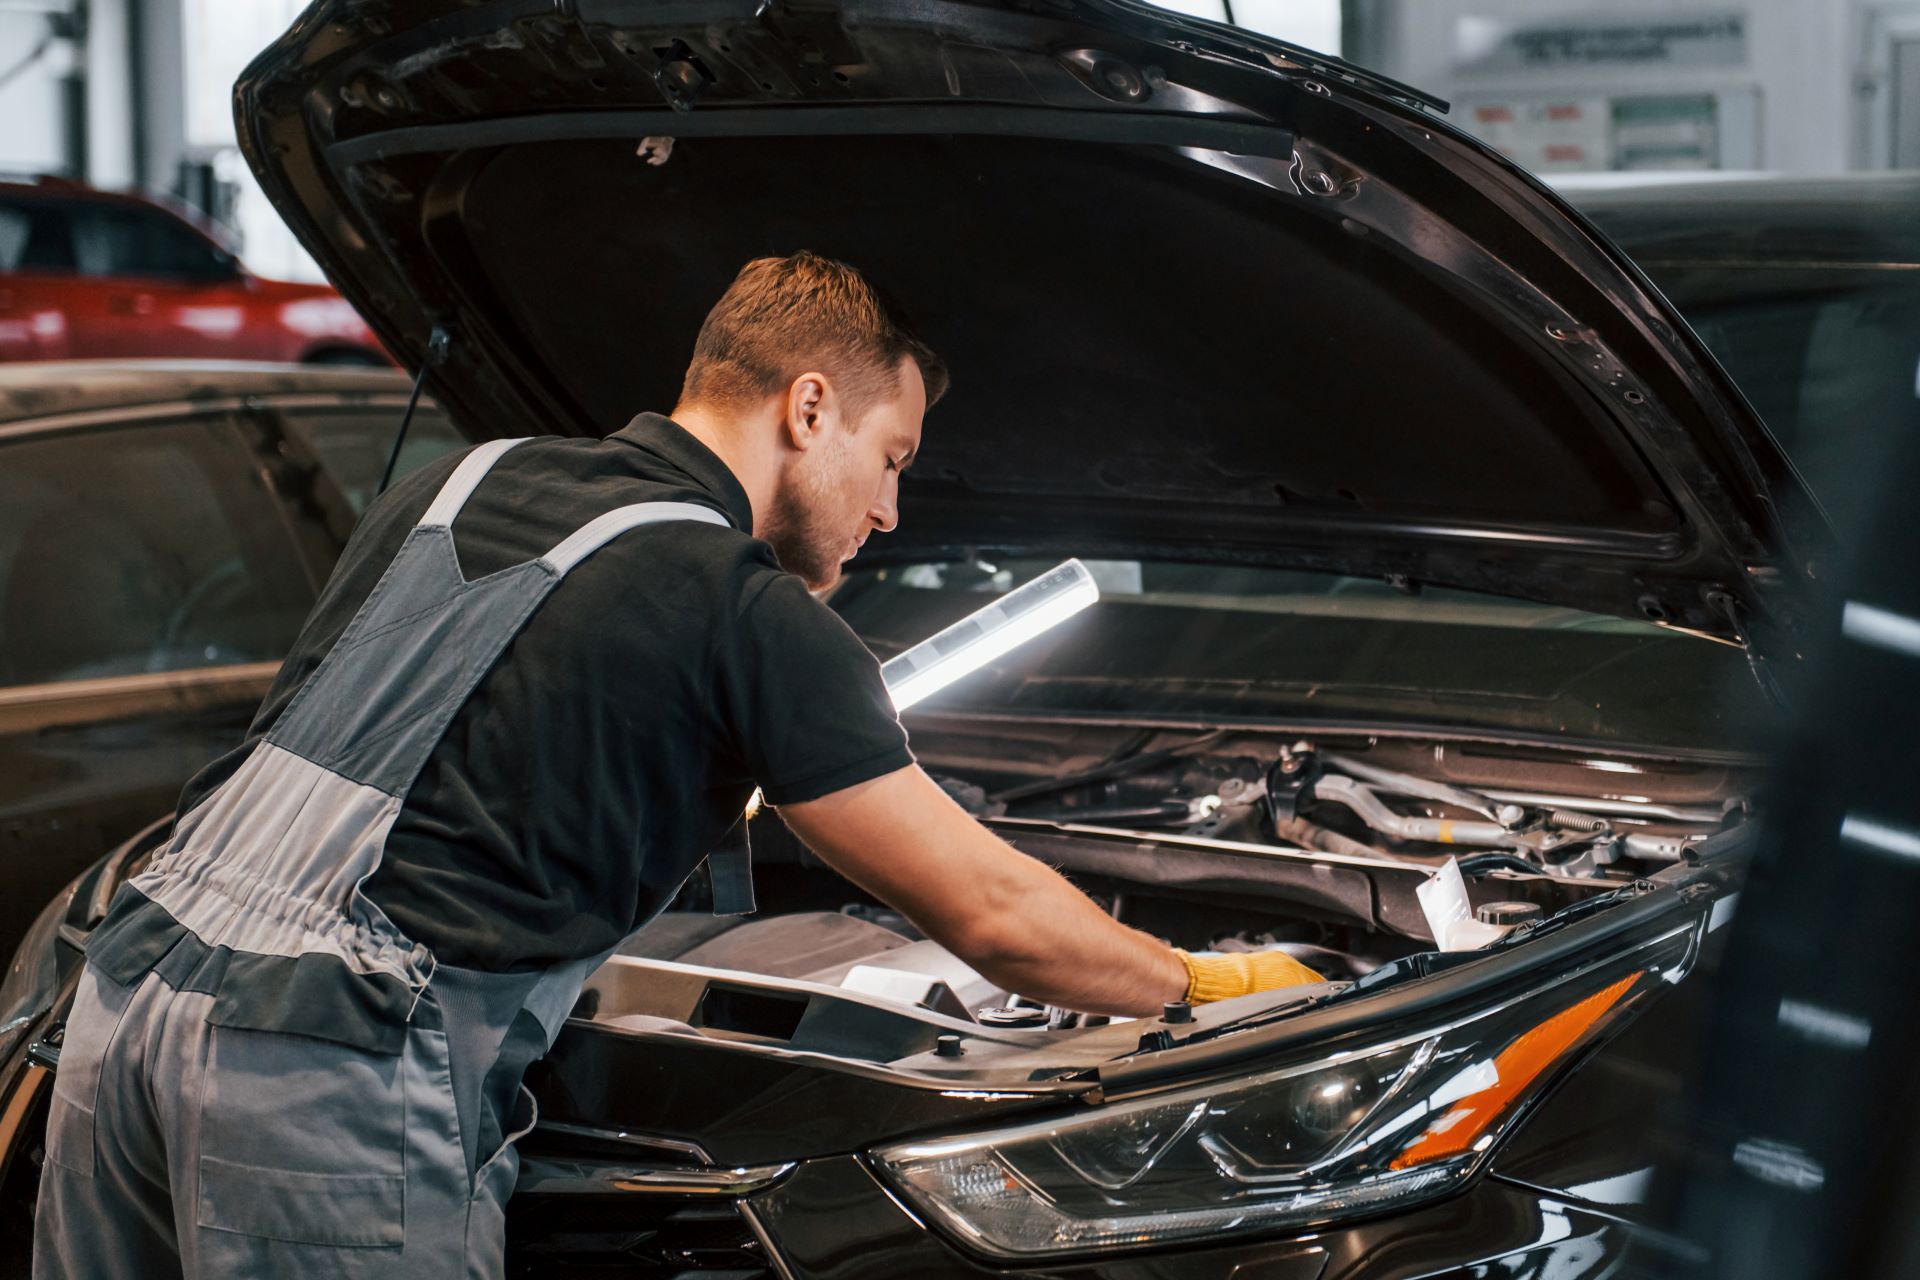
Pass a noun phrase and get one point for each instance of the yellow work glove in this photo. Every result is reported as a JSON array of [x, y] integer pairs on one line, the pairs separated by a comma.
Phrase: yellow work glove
[[1241, 973]]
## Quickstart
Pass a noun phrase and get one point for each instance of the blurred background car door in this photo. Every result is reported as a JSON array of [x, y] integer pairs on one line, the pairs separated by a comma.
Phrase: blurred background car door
[[148, 284], [37, 272]]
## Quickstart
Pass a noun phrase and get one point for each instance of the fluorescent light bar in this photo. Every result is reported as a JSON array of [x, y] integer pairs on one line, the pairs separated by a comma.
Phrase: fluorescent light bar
[[989, 633]]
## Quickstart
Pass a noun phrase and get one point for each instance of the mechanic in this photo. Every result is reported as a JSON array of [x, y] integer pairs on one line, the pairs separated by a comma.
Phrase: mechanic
[[541, 684]]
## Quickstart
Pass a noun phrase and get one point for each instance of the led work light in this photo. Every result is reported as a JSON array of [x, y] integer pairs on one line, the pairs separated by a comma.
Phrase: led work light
[[989, 633]]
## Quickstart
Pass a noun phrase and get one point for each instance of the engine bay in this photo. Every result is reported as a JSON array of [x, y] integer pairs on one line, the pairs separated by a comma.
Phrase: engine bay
[[1212, 841], [1531, 810]]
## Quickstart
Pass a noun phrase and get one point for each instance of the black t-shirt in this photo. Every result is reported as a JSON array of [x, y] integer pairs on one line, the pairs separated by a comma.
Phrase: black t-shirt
[[624, 728]]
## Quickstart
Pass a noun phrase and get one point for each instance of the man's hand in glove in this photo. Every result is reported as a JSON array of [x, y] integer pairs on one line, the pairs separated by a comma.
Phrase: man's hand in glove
[[1241, 973]]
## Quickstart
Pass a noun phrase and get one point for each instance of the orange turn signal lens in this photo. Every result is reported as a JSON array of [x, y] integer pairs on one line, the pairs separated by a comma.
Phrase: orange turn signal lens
[[1516, 1067]]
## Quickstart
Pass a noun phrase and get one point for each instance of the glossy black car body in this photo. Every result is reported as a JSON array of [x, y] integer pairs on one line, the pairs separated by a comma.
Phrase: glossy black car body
[[1806, 289], [683, 1155], [164, 529], [1800, 1126], [1250, 315]]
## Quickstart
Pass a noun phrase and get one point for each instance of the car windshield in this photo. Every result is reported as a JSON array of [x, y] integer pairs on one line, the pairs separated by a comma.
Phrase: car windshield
[[1813, 307], [1173, 641]]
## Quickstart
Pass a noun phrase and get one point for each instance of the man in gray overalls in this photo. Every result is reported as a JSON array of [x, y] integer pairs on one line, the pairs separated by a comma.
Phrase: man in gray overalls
[[541, 684]]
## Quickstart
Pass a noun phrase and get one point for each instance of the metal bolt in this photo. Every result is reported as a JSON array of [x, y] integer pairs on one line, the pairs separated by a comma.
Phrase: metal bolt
[[1176, 1011], [948, 1046]]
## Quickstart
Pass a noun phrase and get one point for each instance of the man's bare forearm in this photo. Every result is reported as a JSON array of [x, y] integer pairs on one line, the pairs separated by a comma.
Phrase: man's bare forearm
[[1114, 968], [1020, 923]]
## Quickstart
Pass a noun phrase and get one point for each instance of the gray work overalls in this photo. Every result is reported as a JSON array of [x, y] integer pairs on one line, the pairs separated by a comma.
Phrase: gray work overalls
[[260, 1073]]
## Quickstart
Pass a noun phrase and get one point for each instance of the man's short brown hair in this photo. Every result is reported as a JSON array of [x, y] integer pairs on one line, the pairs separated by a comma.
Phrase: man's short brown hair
[[784, 316]]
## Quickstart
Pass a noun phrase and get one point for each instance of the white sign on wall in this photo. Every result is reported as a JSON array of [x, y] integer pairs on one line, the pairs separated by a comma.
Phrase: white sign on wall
[[1545, 135], [1482, 44], [1573, 134]]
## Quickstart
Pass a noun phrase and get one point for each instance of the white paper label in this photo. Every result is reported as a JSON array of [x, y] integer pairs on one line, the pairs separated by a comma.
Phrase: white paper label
[[1450, 912]]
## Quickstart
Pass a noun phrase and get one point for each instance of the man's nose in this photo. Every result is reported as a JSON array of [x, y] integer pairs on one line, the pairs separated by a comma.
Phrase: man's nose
[[885, 511]]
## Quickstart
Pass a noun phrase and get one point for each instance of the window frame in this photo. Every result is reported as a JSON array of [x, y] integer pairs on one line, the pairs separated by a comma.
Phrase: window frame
[[90, 699], [287, 411], [88, 229], [34, 208]]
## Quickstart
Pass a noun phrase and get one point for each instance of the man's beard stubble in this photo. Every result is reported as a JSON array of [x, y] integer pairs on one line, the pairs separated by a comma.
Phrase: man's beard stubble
[[797, 530]]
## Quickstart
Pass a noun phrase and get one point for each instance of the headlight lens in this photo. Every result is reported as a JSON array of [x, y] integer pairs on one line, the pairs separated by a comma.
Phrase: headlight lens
[[1352, 1132]]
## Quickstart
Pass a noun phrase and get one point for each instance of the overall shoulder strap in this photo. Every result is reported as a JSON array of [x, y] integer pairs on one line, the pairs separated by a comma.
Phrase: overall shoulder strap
[[602, 529], [465, 479], [730, 864]]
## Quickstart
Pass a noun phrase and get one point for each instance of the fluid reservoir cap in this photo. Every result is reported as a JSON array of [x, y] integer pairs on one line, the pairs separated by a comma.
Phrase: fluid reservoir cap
[[1011, 1016], [1507, 913]]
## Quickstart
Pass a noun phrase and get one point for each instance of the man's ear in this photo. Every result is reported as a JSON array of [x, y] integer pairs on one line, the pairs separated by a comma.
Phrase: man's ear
[[810, 401]]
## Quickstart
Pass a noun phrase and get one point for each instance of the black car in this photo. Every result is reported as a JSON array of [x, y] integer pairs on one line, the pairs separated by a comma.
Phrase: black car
[[1429, 537], [1807, 290], [164, 529], [1800, 1158]]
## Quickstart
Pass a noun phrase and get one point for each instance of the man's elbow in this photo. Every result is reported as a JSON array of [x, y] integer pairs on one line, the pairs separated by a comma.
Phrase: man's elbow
[[997, 945]]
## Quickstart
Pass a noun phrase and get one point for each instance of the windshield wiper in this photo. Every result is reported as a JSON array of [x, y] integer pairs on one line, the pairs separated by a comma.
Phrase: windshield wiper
[[1407, 784], [1131, 761]]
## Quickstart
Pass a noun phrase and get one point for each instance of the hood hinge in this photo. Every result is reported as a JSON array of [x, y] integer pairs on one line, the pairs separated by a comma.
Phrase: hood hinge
[[1757, 663]]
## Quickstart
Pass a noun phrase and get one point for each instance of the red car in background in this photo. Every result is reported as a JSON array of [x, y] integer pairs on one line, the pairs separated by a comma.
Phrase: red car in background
[[87, 273]]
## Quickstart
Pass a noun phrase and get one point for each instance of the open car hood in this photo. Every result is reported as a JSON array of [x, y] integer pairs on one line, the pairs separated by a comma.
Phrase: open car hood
[[1204, 294]]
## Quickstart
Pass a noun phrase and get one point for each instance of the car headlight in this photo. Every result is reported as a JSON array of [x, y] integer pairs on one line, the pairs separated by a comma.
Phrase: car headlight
[[1352, 1132]]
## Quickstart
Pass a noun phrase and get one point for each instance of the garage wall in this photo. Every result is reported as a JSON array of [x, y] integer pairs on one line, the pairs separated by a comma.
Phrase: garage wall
[[1888, 86], [32, 108], [68, 106], [110, 102], [1805, 86], [1313, 24], [222, 37]]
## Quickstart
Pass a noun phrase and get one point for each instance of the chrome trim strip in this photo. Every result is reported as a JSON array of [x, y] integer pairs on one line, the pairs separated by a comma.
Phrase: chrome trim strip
[[167, 410], [55, 692], [692, 1151], [336, 400], [159, 410], [545, 1176], [61, 703], [760, 1233]]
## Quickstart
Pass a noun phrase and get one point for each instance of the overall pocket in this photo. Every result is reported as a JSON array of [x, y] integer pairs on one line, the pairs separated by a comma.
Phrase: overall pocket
[[495, 1176], [302, 1140], [492, 1184], [99, 1004]]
